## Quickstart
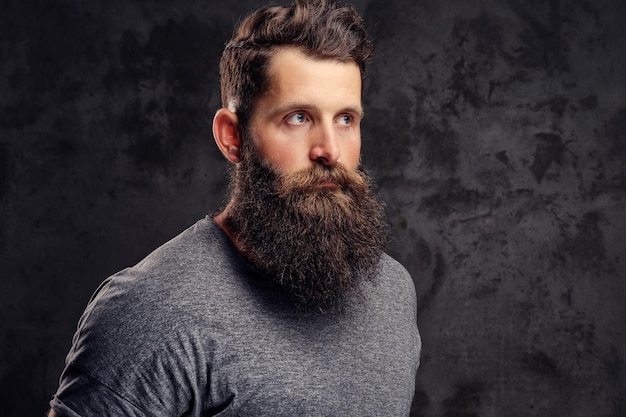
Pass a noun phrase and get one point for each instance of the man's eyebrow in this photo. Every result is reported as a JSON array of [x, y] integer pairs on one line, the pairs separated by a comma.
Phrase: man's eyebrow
[[296, 105], [357, 110]]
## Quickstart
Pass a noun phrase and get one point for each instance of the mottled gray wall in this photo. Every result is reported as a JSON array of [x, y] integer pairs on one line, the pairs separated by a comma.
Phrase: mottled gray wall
[[498, 131], [495, 129]]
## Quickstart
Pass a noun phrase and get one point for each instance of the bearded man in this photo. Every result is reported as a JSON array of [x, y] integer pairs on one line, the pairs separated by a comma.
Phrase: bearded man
[[283, 303]]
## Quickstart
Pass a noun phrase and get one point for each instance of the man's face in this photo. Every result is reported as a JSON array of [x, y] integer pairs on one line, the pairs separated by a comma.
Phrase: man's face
[[302, 210], [310, 114]]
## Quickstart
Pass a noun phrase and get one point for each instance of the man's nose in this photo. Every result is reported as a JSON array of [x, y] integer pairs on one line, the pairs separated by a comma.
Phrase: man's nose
[[325, 148]]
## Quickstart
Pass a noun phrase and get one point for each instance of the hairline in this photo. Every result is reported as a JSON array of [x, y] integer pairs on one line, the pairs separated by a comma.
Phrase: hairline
[[269, 76]]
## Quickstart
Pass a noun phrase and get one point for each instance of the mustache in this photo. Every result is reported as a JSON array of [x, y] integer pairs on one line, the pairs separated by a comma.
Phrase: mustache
[[319, 176]]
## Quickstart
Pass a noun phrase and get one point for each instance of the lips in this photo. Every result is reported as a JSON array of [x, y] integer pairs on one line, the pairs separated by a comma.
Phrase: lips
[[327, 184]]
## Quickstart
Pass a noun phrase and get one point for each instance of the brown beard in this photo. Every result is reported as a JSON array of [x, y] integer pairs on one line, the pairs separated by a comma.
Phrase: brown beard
[[318, 242]]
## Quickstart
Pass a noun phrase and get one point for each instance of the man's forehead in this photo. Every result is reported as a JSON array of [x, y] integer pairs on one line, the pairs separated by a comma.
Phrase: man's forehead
[[291, 72]]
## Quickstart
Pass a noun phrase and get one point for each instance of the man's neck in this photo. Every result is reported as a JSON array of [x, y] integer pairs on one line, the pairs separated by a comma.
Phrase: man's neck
[[220, 219]]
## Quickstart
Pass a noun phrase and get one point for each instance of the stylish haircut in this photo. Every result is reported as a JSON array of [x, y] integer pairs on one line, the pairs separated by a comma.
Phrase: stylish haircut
[[321, 29]]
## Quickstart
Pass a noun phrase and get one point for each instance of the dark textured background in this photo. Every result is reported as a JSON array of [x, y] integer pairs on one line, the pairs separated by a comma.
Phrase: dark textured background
[[496, 131]]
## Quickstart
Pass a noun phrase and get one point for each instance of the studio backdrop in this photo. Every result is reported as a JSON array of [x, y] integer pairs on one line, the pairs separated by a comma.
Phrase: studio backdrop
[[495, 131]]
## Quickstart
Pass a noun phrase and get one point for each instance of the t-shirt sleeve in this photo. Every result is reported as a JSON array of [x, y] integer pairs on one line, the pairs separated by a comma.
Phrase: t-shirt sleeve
[[80, 395], [131, 355]]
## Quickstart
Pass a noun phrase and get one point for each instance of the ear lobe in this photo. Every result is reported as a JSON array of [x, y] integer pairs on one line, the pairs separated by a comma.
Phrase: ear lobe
[[227, 134]]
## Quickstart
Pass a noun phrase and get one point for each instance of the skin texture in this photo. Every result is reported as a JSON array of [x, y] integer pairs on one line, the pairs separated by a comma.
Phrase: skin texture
[[310, 115]]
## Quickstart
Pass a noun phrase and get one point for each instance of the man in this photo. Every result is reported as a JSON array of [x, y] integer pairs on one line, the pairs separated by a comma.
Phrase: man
[[284, 303]]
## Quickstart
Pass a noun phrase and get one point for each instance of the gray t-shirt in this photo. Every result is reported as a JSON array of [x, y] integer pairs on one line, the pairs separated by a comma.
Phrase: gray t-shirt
[[192, 330]]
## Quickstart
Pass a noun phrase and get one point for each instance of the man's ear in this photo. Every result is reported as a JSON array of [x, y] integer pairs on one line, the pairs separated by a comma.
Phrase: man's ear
[[227, 134]]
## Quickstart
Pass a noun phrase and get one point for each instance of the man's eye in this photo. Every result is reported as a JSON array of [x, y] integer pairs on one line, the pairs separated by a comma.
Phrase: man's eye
[[345, 119], [296, 119]]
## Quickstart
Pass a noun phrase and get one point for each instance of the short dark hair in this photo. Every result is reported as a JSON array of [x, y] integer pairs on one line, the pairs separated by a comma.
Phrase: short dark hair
[[320, 29]]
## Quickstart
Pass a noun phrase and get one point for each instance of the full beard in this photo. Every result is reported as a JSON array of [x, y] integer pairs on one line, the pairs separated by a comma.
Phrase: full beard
[[318, 233]]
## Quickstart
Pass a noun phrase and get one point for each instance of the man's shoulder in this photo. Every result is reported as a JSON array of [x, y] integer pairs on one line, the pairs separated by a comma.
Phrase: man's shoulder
[[191, 269], [172, 288], [202, 242], [201, 252], [395, 280], [391, 266]]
